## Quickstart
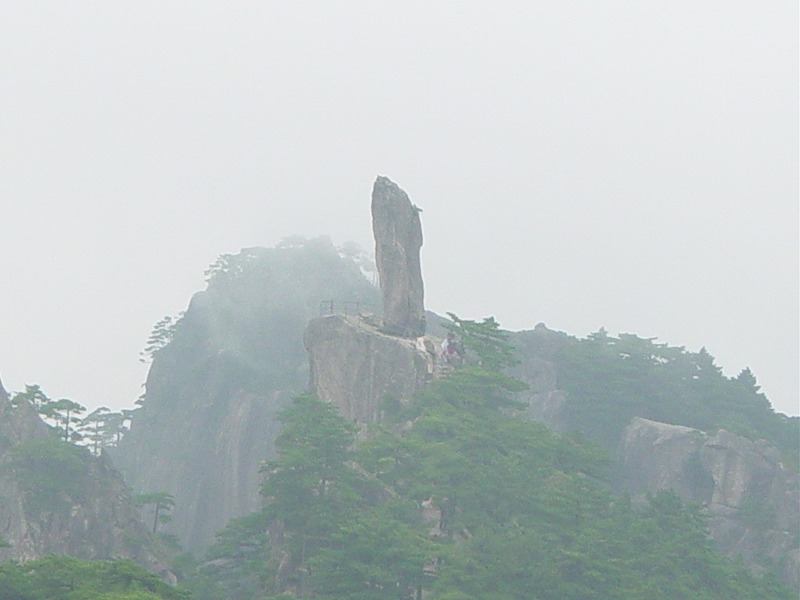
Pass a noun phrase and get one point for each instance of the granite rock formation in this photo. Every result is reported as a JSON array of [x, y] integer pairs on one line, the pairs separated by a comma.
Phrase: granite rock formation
[[213, 394], [544, 401], [357, 367], [750, 496], [398, 239], [358, 362], [93, 518]]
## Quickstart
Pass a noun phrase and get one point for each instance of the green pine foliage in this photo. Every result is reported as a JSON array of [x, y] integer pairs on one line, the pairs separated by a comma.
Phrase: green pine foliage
[[69, 578], [609, 380], [160, 337], [161, 504], [51, 473], [468, 502], [310, 487]]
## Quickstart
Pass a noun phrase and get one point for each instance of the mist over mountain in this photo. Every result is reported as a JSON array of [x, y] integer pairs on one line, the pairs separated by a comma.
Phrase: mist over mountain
[[606, 466], [249, 316], [226, 367]]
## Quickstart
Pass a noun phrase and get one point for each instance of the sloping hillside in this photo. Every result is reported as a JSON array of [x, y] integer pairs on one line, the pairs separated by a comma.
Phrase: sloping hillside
[[57, 498]]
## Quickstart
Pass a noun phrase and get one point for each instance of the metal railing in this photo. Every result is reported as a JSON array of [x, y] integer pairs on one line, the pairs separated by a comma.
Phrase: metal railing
[[344, 307]]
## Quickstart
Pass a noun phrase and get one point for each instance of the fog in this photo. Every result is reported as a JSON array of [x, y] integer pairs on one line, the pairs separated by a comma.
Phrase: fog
[[581, 164]]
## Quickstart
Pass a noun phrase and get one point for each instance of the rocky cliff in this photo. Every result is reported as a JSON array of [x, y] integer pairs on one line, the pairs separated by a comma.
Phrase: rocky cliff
[[749, 495], [358, 367], [359, 362], [56, 498], [213, 393], [238, 354], [752, 498], [536, 351]]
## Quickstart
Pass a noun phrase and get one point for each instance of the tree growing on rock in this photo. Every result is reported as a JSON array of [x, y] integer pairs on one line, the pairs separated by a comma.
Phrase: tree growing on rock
[[65, 413], [162, 504], [34, 395], [92, 427], [160, 337]]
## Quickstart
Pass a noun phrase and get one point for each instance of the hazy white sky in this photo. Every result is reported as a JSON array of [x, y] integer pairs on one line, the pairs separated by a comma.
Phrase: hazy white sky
[[632, 165]]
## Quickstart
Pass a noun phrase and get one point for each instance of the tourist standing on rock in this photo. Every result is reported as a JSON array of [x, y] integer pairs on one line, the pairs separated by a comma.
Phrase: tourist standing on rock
[[451, 352]]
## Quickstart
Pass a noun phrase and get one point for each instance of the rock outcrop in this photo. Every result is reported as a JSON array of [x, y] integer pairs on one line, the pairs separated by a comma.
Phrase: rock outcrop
[[358, 362], [750, 496], [210, 413], [357, 367], [56, 498], [18, 424], [544, 401], [206, 451], [398, 239], [213, 394]]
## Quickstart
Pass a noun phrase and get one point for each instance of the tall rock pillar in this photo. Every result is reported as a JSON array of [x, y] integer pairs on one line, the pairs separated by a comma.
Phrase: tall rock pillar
[[398, 239]]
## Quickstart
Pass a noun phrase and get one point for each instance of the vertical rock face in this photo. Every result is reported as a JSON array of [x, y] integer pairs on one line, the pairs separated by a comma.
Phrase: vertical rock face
[[210, 415], [357, 367], [750, 496], [398, 239], [202, 440], [544, 401], [357, 364]]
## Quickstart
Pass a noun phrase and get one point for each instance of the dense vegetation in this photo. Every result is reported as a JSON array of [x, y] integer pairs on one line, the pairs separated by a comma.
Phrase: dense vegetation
[[50, 473], [453, 496], [466, 502], [67, 578], [610, 379], [221, 372]]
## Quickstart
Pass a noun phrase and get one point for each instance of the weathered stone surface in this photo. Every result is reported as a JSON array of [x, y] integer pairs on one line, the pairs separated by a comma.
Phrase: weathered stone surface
[[18, 424], [398, 239], [656, 456], [751, 497], [101, 523], [200, 436], [210, 415], [535, 350], [356, 367]]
